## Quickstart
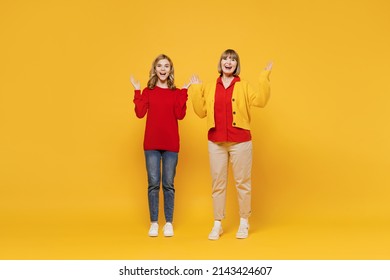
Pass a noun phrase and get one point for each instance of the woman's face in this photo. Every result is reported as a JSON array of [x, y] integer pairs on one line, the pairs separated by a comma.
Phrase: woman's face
[[163, 69], [228, 65]]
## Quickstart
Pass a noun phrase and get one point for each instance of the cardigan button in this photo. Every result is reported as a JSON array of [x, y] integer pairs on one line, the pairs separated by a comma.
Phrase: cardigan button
[[234, 124], [233, 100], [234, 113]]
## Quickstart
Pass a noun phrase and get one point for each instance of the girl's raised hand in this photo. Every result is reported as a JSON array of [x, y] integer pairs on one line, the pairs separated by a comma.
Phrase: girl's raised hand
[[136, 84], [187, 85]]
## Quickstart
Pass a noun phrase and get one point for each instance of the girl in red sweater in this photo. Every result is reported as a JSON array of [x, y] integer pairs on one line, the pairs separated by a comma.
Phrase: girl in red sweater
[[164, 105]]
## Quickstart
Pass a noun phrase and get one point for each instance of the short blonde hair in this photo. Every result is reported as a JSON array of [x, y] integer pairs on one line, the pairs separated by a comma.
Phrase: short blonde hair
[[153, 76], [234, 55]]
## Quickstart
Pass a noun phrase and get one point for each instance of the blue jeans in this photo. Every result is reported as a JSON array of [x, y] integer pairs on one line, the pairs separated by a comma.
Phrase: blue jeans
[[169, 163]]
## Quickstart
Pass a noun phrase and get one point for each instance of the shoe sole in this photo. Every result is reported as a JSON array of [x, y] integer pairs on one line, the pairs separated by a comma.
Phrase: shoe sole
[[242, 236]]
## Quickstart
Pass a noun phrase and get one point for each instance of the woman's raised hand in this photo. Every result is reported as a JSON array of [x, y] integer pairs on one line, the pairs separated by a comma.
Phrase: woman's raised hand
[[136, 84], [269, 66], [195, 80]]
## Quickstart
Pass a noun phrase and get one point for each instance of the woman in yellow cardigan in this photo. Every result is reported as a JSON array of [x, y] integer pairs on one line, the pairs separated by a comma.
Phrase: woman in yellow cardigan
[[226, 104]]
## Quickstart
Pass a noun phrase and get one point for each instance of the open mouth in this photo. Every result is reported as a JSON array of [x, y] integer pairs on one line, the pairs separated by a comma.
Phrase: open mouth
[[228, 67]]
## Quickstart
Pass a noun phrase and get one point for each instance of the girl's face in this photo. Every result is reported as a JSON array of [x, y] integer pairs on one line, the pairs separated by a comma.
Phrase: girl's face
[[163, 69], [228, 65]]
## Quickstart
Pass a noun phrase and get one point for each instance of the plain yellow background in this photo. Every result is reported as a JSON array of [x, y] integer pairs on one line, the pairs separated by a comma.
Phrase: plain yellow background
[[72, 171]]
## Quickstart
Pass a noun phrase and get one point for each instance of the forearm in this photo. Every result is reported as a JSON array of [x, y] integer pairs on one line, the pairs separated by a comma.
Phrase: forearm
[[141, 104], [198, 100], [263, 93], [181, 104]]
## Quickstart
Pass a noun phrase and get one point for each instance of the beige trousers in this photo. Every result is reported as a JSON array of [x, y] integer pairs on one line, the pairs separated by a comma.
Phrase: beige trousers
[[240, 156]]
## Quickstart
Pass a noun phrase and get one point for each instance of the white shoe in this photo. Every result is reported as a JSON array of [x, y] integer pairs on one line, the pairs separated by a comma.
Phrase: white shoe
[[243, 229], [216, 231], [153, 231], [168, 230]]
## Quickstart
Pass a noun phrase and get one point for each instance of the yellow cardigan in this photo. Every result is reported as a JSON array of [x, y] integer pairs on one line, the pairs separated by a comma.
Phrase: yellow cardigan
[[244, 96]]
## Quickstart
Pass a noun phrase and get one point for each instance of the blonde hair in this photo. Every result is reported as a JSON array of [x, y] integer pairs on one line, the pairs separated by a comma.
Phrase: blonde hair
[[153, 76], [234, 55]]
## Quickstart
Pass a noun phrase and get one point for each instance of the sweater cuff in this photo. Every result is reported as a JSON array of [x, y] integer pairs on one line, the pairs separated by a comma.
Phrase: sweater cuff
[[194, 89], [264, 75]]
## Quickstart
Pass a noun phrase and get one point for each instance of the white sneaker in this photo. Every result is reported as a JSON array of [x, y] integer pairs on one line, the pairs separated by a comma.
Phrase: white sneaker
[[216, 231], [243, 229], [168, 230], [153, 231]]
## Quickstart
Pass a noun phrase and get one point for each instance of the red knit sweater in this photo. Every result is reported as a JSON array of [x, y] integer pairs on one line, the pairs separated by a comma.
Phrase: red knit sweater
[[164, 107]]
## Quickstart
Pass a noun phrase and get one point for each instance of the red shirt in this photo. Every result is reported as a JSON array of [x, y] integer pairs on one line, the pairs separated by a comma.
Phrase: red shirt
[[164, 107], [224, 131]]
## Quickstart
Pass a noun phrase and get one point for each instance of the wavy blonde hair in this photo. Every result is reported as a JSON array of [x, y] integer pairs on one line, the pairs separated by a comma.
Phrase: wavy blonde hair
[[234, 55], [153, 78]]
